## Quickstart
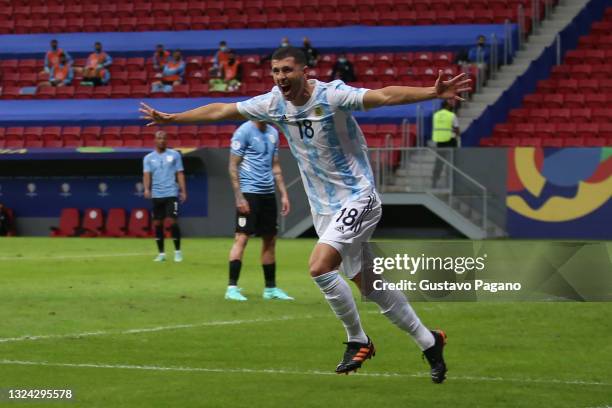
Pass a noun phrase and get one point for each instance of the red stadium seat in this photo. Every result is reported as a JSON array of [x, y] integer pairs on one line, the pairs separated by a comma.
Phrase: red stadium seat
[[573, 142], [64, 92], [545, 129], [139, 223], [587, 129], [509, 142], [601, 114], [188, 131], [68, 224], [595, 100], [566, 130], [523, 130], [83, 92], [534, 100], [71, 132], [135, 143], [595, 142], [33, 144], [519, 115], [101, 92], [32, 133], [538, 115], [560, 115], [116, 222], [531, 141], [130, 132], [552, 142], [581, 115]]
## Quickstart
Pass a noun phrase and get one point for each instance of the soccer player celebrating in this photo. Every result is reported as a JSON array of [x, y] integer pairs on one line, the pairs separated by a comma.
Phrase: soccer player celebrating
[[164, 183], [254, 168], [331, 153]]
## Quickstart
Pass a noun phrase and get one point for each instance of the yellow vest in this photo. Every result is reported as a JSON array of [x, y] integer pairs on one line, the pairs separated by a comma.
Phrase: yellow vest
[[443, 126]]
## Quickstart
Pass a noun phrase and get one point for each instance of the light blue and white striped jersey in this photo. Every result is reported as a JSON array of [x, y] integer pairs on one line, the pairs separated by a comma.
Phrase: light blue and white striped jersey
[[324, 138], [257, 150], [163, 168]]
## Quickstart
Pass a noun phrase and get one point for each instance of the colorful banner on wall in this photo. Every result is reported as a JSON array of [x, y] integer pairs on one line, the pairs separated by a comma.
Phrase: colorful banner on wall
[[559, 193], [46, 196]]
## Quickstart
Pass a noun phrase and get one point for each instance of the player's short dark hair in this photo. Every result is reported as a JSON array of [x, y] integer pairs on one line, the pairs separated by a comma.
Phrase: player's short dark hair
[[287, 52]]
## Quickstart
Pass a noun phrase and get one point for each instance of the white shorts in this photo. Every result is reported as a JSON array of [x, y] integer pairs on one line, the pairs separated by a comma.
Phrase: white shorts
[[348, 229]]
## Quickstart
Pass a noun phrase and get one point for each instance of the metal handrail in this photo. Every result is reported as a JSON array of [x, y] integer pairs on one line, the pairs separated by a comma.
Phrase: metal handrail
[[521, 23], [383, 151]]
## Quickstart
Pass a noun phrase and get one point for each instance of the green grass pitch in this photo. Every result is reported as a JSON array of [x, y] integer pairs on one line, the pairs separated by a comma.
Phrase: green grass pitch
[[121, 331]]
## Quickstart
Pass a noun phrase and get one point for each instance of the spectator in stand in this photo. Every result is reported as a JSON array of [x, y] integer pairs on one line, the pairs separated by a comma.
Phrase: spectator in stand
[[6, 223], [284, 42], [445, 133], [52, 56], [220, 58], [160, 57], [172, 75], [343, 69], [230, 77], [232, 73], [312, 55], [96, 68], [480, 53], [61, 74]]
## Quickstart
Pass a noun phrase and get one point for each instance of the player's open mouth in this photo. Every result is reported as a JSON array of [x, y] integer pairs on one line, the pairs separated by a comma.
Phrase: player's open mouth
[[285, 88]]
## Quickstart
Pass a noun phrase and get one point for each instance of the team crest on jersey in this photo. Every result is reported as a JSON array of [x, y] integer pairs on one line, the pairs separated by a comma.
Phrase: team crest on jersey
[[318, 111], [169, 159], [271, 138], [242, 221], [236, 145]]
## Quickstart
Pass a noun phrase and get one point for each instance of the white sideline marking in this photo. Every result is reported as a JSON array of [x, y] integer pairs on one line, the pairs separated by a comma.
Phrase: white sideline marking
[[60, 257], [294, 372], [151, 329]]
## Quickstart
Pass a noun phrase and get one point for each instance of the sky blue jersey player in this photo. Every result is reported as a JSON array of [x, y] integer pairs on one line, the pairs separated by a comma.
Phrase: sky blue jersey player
[[255, 174], [332, 156], [164, 183]]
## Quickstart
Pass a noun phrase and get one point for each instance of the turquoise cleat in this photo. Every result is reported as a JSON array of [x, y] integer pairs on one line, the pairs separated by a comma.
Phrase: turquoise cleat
[[233, 293], [275, 293], [178, 256], [160, 258]]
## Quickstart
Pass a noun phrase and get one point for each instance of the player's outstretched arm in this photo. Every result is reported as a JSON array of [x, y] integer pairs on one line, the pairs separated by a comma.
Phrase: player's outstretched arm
[[402, 95], [213, 112]]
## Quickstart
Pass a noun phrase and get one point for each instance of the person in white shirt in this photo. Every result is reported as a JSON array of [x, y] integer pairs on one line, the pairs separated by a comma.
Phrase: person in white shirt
[[331, 153]]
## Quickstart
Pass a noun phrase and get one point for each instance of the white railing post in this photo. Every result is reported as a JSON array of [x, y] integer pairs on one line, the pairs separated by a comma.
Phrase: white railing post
[[507, 41], [419, 127], [558, 49], [493, 57], [522, 27]]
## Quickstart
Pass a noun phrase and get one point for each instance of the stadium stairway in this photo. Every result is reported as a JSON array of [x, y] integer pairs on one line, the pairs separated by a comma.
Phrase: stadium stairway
[[571, 108], [541, 38]]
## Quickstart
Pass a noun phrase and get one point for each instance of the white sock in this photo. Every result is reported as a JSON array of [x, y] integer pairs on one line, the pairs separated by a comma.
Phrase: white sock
[[394, 305], [338, 294]]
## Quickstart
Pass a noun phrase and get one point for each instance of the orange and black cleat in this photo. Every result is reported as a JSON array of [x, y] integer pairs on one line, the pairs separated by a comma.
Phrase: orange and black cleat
[[435, 358], [355, 355]]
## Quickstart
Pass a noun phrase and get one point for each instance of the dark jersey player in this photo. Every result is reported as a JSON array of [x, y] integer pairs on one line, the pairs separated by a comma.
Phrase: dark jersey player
[[164, 183]]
